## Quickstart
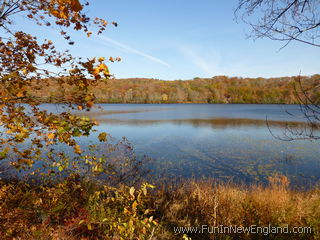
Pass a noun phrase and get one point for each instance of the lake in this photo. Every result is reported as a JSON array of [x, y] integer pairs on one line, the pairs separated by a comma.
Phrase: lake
[[228, 142], [223, 141]]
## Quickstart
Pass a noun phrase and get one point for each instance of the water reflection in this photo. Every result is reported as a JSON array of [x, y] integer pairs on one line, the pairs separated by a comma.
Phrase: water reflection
[[220, 123]]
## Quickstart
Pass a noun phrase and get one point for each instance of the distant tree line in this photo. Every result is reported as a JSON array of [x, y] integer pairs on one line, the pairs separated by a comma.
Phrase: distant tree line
[[219, 89]]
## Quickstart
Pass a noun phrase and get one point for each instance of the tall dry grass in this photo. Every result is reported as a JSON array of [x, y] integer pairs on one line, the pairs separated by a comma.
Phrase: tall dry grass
[[75, 209], [196, 203]]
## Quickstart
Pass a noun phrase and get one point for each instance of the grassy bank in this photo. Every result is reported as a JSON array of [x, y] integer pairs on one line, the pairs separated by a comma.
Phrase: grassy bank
[[78, 209]]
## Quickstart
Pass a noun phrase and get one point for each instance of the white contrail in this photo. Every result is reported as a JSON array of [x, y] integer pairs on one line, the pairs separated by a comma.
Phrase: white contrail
[[209, 64], [132, 50]]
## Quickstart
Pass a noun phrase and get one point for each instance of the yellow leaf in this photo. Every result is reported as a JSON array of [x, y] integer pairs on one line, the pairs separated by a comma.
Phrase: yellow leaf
[[77, 149], [101, 68], [89, 227], [102, 137], [134, 205], [63, 13], [130, 223], [132, 191], [51, 135], [25, 71]]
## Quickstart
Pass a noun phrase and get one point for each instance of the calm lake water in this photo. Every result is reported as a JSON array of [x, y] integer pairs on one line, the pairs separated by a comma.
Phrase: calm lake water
[[229, 142], [226, 142]]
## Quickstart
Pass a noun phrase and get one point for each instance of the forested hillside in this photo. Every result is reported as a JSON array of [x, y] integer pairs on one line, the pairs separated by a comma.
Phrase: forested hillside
[[219, 89]]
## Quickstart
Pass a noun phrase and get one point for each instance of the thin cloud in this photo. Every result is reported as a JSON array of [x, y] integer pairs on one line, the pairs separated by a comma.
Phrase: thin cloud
[[208, 64], [132, 50]]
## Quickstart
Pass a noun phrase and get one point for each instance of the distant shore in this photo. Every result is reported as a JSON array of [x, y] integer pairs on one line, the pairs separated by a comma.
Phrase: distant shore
[[216, 90]]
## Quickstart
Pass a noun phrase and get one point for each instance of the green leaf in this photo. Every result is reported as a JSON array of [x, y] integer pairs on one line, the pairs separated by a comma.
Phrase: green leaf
[[76, 133], [4, 154]]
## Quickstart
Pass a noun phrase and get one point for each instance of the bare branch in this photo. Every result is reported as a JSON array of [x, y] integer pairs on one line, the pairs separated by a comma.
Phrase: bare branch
[[282, 20]]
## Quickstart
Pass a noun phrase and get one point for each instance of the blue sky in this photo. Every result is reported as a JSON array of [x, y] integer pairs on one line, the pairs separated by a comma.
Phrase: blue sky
[[183, 39]]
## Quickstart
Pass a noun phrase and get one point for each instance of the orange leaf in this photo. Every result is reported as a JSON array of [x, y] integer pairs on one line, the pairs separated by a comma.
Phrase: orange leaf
[[20, 94], [90, 104], [101, 59], [76, 6]]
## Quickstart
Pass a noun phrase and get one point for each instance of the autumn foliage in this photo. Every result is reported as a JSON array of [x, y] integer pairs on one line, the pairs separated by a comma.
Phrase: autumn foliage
[[24, 60], [218, 89]]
